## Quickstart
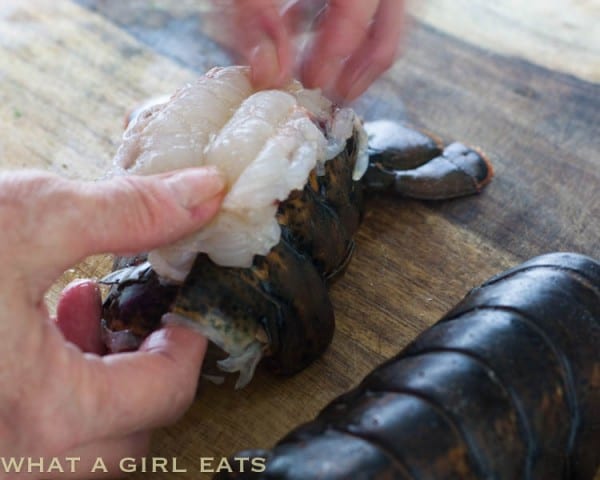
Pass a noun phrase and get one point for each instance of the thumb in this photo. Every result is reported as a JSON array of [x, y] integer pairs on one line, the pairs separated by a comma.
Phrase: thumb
[[140, 213], [58, 222], [160, 379]]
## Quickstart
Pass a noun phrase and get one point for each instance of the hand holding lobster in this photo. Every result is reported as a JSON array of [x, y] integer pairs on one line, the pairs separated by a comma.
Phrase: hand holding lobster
[[56, 400]]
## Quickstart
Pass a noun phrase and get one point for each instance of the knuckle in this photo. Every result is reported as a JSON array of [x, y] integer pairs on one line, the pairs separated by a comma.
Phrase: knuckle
[[141, 206], [25, 201], [21, 190]]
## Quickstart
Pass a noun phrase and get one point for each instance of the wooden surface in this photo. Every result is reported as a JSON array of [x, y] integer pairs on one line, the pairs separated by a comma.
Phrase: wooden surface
[[516, 80]]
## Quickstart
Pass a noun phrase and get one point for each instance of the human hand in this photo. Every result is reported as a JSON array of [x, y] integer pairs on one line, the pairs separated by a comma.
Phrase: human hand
[[352, 43], [55, 400]]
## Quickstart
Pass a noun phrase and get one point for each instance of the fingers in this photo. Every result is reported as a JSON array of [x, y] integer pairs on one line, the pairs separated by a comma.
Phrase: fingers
[[131, 213], [112, 396], [52, 223], [300, 15], [146, 389], [78, 316], [271, 56], [262, 36], [87, 398], [354, 44], [377, 52], [343, 28]]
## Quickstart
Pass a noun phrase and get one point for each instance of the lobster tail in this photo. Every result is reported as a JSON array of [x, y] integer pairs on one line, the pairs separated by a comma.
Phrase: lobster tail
[[259, 287], [555, 300], [506, 385], [280, 304]]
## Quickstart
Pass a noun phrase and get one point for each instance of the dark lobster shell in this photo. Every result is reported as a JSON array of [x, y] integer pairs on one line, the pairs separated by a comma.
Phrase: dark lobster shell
[[505, 386], [286, 289]]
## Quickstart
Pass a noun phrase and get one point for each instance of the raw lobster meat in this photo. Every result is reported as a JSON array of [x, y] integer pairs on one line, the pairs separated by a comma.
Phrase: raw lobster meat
[[505, 386], [278, 307]]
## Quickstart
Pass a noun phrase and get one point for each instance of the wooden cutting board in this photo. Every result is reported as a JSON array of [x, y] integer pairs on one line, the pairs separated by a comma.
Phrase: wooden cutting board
[[519, 81]]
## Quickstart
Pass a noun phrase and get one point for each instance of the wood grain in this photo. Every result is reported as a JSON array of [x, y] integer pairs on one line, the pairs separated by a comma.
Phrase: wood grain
[[68, 77], [70, 70], [561, 35]]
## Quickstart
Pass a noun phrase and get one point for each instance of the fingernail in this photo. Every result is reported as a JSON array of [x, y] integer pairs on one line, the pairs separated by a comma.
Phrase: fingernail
[[195, 186]]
